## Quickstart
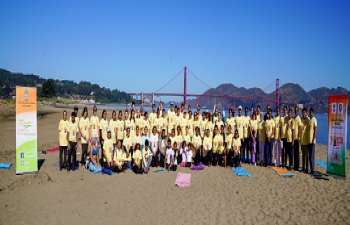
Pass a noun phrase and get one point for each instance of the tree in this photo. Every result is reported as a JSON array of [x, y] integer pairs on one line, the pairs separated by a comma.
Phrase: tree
[[48, 89]]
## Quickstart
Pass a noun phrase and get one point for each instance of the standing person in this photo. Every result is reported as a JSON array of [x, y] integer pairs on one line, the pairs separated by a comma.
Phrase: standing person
[[73, 131], [103, 129], [196, 147], [127, 145], [147, 157], [108, 151], [246, 136], [119, 155], [312, 127], [207, 148], [75, 110], [203, 122], [239, 126], [137, 160], [63, 139], [269, 129], [290, 143], [94, 123], [190, 124], [132, 124], [120, 127], [84, 126], [154, 146], [153, 115], [297, 123], [304, 140], [216, 144], [113, 127], [221, 148], [228, 146], [145, 124], [262, 138], [236, 146], [231, 121], [171, 119], [162, 148], [283, 135], [253, 128], [277, 143], [138, 139]]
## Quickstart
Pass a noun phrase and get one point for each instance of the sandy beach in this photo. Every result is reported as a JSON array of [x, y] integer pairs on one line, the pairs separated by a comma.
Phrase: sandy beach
[[216, 195]]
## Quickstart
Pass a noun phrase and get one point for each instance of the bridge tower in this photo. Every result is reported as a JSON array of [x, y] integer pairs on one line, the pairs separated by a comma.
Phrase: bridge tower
[[185, 85]]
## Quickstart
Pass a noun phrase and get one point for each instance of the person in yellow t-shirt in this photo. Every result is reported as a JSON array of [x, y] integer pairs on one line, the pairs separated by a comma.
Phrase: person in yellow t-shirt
[[73, 131], [196, 147], [277, 143], [84, 127], [239, 126], [132, 124], [94, 124], [119, 155], [269, 130], [127, 145], [236, 148], [157, 122], [183, 123], [187, 136], [147, 124], [290, 143], [190, 124], [262, 139], [283, 135], [147, 157], [113, 127], [246, 137], [103, 128], [120, 127], [296, 138], [207, 148], [231, 121], [221, 149], [304, 140], [228, 146], [63, 140], [253, 128], [138, 138], [108, 151], [137, 160], [216, 144], [312, 128], [153, 115]]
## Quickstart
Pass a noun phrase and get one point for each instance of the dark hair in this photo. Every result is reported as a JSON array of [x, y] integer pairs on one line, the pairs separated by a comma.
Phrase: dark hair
[[84, 110], [285, 107], [73, 114], [146, 143], [103, 111], [311, 109], [258, 106], [304, 109], [64, 111]]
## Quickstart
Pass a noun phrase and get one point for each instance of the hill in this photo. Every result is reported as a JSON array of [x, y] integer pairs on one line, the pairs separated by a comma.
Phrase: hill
[[63, 88]]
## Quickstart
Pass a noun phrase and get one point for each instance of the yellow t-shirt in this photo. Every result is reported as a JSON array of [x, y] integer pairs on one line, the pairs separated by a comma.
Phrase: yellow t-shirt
[[127, 124], [221, 147], [312, 126], [297, 122], [190, 127], [137, 156], [119, 156], [171, 122], [120, 129], [94, 125], [63, 129], [137, 139], [72, 131], [216, 143], [208, 142], [187, 138], [113, 127], [253, 125], [304, 136], [84, 125], [215, 119], [183, 124], [283, 126], [228, 140], [203, 125], [138, 122], [290, 127], [239, 125], [104, 128], [127, 142], [210, 126], [146, 154], [76, 119], [172, 140], [219, 123], [146, 123], [178, 139], [269, 126], [132, 129], [262, 134], [277, 121], [151, 118], [108, 148], [246, 132], [196, 141], [231, 121], [158, 122], [236, 144]]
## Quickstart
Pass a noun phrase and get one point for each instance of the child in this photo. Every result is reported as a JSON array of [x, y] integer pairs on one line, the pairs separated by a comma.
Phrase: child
[[184, 148], [188, 155], [169, 155], [176, 156], [147, 157]]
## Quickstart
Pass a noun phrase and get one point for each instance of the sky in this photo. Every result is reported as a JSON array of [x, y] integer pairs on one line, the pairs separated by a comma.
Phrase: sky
[[138, 46]]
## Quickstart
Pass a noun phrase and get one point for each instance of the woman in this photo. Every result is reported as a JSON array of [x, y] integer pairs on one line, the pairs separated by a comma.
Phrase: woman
[[169, 155], [196, 145], [120, 127], [137, 160], [190, 124], [154, 146], [253, 132], [236, 146], [63, 140], [132, 124], [188, 155], [113, 127], [221, 148], [262, 137], [207, 146], [162, 147], [216, 144], [228, 146], [118, 158], [84, 126], [94, 124], [179, 140], [94, 164], [103, 128]]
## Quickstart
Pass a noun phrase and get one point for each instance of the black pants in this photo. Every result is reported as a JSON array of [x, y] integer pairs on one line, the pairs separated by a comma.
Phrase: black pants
[[229, 158], [84, 150], [268, 152], [284, 152], [235, 159], [288, 152], [155, 160], [243, 150], [197, 157], [161, 159], [137, 170], [172, 168], [247, 149], [63, 152], [296, 155], [209, 158], [117, 170], [188, 164], [220, 159], [215, 158], [72, 153]]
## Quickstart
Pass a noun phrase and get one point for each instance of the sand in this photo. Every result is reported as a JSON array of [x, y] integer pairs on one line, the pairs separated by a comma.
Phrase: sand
[[216, 195]]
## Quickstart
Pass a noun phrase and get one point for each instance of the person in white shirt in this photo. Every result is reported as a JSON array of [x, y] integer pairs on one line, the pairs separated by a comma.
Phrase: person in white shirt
[[147, 157], [188, 155], [169, 156], [154, 146]]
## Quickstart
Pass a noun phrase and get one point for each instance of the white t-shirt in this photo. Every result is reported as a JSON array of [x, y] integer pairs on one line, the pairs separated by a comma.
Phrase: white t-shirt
[[169, 152], [188, 155], [154, 142]]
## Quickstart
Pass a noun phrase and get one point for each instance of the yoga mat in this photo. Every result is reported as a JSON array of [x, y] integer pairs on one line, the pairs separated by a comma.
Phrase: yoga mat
[[56, 164], [52, 150], [4, 165], [199, 167], [240, 171], [283, 172], [321, 163], [159, 170], [183, 180]]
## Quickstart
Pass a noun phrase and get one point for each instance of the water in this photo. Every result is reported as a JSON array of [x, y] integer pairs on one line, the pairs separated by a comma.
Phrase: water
[[322, 122]]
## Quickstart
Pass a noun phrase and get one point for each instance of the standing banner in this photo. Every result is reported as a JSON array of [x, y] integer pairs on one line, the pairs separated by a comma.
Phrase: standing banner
[[337, 133], [26, 130]]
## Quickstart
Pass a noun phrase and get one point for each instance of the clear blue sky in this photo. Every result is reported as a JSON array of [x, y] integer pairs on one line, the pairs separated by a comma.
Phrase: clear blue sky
[[122, 44]]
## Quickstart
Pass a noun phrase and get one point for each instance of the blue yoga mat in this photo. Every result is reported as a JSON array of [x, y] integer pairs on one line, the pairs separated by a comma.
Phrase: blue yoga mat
[[4, 165], [321, 163], [287, 175], [240, 171], [159, 170]]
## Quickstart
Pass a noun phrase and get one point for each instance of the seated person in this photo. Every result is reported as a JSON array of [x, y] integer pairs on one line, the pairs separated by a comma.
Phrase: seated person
[[94, 164], [188, 155], [137, 160], [147, 157], [118, 159]]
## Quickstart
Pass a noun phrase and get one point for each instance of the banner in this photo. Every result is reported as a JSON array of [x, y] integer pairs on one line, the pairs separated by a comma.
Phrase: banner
[[26, 130], [337, 133]]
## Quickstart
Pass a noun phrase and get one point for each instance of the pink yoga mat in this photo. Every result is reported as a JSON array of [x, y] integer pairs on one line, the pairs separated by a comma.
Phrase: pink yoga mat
[[183, 180]]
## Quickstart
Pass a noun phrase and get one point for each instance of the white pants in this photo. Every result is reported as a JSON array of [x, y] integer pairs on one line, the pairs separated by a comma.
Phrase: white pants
[[261, 151], [277, 152]]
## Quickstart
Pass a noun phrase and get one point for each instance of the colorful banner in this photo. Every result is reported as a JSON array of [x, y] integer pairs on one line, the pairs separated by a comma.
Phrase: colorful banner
[[337, 133], [26, 130]]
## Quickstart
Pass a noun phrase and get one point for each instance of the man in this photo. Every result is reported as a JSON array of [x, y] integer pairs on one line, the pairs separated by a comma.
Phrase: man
[[312, 139], [283, 134], [246, 136], [231, 121], [153, 115], [94, 123], [76, 109], [196, 147], [63, 140], [239, 125], [147, 157], [120, 127], [269, 130], [290, 138], [108, 151], [297, 122], [304, 140], [113, 127], [84, 127], [277, 143], [73, 131], [146, 123], [163, 140], [267, 111], [127, 145]]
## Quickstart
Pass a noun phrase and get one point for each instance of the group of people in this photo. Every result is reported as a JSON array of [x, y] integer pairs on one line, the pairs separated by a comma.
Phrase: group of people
[[139, 140]]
